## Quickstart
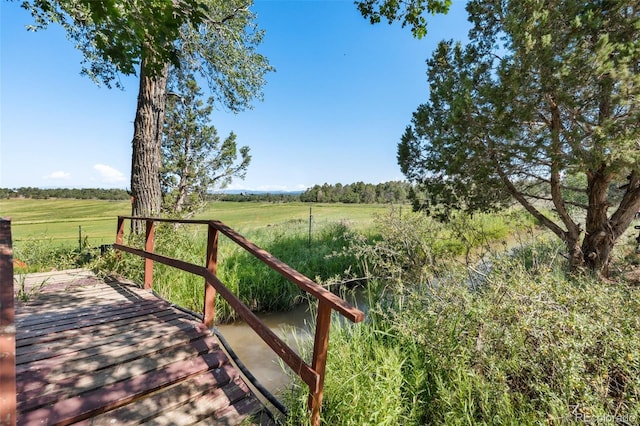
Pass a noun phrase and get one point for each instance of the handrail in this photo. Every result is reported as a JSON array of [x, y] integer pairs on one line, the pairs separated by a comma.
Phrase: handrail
[[7, 328], [312, 375]]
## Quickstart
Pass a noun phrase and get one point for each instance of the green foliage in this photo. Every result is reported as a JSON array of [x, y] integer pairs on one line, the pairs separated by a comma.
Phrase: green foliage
[[411, 247], [194, 160], [42, 254], [410, 12], [254, 283], [526, 346], [358, 193], [113, 35], [250, 196], [364, 384], [540, 105], [211, 38], [74, 193]]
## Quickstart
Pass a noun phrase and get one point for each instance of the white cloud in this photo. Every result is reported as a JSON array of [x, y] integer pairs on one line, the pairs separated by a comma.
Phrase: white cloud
[[58, 175], [108, 174]]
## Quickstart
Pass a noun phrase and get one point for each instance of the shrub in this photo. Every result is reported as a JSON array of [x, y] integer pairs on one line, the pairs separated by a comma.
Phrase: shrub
[[43, 254], [526, 345]]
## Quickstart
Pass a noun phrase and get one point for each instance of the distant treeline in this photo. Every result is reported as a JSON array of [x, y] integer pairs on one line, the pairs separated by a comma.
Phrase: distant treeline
[[359, 192], [355, 193], [265, 197], [81, 194]]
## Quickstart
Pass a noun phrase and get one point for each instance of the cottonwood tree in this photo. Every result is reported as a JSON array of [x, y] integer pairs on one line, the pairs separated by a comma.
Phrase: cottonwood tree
[[194, 159], [543, 104], [409, 12], [216, 38]]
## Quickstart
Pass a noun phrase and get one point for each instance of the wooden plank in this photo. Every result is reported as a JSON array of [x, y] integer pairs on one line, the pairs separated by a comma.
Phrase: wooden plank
[[97, 401], [121, 355], [202, 409], [44, 317], [37, 379], [71, 300], [171, 398], [319, 361], [95, 355], [112, 336], [7, 328], [54, 332], [288, 355], [238, 411], [47, 285], [59, 387]]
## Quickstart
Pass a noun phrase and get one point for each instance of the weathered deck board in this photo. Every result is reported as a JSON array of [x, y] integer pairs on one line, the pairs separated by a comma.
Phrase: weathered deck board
[[96, 353]]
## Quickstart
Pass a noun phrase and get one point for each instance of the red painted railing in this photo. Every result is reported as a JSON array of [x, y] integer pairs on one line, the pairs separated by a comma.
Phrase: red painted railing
[[7, 329], [313, 375]]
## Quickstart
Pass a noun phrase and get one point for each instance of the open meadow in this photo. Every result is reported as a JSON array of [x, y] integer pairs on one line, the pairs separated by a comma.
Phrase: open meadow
[[60, 221]]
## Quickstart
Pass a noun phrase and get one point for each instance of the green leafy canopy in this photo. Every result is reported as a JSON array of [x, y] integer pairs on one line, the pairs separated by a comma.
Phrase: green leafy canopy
[[409, 12], [543, 93]]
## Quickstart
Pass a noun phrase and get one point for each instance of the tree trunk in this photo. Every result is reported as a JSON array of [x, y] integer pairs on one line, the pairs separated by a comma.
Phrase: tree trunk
[[599, 238], [184, 177], [146, 159]]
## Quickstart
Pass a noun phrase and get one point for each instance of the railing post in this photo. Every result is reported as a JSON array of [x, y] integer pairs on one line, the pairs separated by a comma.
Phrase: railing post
[[319, 361], [149, 247], [7, 329], [212, 266]]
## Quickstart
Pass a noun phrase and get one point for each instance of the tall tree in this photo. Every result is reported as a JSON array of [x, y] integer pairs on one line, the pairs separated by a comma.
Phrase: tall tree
[[194, 159], [543, 104], [216, 38]]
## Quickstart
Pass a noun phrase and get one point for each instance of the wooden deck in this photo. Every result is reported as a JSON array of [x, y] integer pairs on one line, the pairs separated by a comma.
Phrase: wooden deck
[[97, 353]]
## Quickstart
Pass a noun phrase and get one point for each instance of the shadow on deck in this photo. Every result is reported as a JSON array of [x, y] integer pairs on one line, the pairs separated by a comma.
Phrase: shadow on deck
[[94, 352]]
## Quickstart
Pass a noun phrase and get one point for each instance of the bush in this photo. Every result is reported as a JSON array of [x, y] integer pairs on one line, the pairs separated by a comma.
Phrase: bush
[[525, 345], [43, 254]]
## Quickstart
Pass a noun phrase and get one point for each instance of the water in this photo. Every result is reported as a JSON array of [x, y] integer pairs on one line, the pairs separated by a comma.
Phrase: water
[[293, 327]]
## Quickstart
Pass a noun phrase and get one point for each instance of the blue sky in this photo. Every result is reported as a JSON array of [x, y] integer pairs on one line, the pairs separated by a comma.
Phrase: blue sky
[[333, 111]]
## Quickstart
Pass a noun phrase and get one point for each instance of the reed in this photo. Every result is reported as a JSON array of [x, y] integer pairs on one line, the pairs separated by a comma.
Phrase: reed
[[522, 344], [260, 288]]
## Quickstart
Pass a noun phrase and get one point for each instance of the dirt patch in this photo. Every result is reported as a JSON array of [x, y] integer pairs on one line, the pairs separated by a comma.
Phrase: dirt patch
[[633, 275]]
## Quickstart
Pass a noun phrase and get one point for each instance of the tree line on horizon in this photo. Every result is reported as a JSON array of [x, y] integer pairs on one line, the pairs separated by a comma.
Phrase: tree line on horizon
[[75, 193], [396, 192]]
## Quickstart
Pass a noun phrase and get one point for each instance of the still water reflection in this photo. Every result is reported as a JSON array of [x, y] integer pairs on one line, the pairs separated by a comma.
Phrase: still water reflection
[[293, 327]]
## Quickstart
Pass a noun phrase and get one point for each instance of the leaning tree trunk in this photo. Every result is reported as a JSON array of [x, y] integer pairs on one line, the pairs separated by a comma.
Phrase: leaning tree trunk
[[603, 232], [147, 142], [599, 238]]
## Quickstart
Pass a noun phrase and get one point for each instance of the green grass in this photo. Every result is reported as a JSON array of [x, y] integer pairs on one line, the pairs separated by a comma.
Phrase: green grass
[[248, 216], [520, 344], [58, 220], [254, 283]]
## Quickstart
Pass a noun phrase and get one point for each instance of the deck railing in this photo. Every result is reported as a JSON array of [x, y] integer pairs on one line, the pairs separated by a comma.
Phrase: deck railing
[[7, 329], [313, 375]]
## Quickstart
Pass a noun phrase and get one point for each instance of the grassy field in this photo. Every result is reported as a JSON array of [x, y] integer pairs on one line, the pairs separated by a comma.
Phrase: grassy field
[[248, 216], [59, 220]]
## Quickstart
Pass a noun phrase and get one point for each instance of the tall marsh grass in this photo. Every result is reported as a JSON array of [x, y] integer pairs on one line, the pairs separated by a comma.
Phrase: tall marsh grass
[[524, 345], [254, 283]]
